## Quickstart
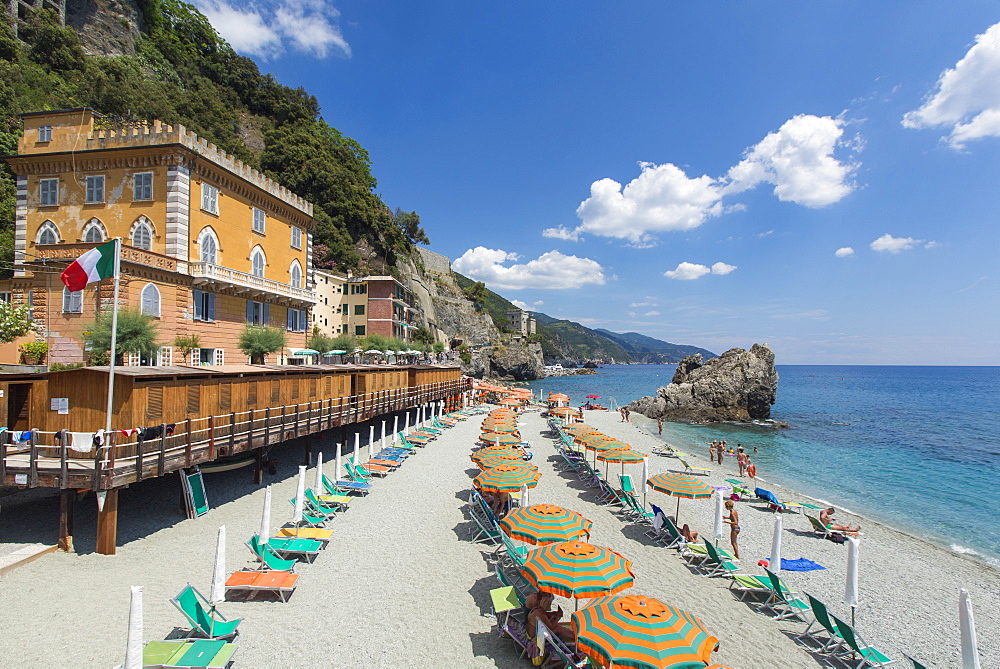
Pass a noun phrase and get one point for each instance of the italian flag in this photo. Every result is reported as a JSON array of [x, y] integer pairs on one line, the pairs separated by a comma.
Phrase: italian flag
[[96, 264]]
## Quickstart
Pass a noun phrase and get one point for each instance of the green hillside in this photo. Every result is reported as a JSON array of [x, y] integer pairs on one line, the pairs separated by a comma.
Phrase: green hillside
[[495, 305], [569, 340], [651, 350]]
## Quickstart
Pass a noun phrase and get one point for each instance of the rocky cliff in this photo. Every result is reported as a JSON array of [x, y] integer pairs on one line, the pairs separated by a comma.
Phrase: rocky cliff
[[739, 385], [511, 362], [106, 27]]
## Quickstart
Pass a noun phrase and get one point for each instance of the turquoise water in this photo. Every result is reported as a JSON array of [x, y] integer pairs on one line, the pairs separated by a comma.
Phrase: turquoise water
[[916, 448]]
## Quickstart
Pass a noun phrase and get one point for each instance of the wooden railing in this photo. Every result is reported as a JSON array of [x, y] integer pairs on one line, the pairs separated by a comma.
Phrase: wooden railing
[[46, 460]]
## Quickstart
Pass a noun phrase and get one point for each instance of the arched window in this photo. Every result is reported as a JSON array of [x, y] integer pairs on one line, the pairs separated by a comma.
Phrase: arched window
[[257, 261], [48, 233], [296, 274], [94, 231], [208, 247], [142, 234], [151, 300]]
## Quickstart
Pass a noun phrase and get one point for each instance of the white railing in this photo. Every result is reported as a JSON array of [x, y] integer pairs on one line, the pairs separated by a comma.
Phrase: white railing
[[220, 274]]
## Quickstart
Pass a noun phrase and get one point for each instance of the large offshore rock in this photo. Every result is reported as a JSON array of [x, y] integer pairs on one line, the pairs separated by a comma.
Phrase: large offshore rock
[[517, 362], [739, 385]]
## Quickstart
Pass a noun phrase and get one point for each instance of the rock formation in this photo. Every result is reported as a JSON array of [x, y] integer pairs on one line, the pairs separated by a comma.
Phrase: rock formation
[[512, 362], [739, 385]]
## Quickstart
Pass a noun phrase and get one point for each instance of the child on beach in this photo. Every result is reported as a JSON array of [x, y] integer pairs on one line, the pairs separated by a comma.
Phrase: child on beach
[[733, 520]]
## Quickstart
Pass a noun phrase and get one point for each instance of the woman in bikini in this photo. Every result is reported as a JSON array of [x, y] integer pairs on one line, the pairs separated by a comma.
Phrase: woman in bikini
[[733, 520]]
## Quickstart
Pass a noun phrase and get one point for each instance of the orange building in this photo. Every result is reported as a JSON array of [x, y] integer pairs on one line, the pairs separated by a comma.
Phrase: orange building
[[209, 243]]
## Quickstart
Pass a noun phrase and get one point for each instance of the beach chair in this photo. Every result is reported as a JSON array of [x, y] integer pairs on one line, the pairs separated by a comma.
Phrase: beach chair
[[638, 512], [784, 602], [338, 487], [513, 629], [405, 444], [688, 469], [866, 654], [284, 547], [818, 527], [280, 583], [505, 601], [748, 584], [557, 649], [368, 469], [740, 488], [772, 502], [315, 533], [486, 528], [204, 621], [268, 559], [327, 505], [664, 451], [915, 663], [717, 564], [821, 620], [518, 582], [314, 516], [516, 554], [188, 653]]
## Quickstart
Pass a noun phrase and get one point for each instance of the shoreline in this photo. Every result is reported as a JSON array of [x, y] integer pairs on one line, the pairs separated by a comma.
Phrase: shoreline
[[794, 487]]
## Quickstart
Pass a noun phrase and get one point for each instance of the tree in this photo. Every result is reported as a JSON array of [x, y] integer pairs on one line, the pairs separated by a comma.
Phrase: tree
[[136, 334], [257, 341], [409, 223], [422, 335], [15, 321], [320, 342], [344, 342], [186, 344], [439, 347], [477, 293]]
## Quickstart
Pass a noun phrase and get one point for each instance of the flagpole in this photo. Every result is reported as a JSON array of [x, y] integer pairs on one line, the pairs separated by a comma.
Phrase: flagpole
[[114, 335]]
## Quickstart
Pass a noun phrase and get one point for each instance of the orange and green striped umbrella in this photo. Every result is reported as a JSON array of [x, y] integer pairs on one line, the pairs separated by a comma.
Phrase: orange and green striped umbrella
[[502, 413], [578, 570], [499, 426], [680, 485], [545, 524], [493, 460], [579, 428], [501, 438], [493, 448], [621, 455], [563, 412], [641, 632], [508, 478]]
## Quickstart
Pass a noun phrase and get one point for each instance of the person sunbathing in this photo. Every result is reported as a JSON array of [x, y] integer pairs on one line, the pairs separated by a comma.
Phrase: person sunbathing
[[538, 605], [826, 517], [689, 535]]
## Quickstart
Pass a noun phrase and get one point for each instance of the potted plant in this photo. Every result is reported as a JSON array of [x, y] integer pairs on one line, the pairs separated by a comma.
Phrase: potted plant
[[33, 352]]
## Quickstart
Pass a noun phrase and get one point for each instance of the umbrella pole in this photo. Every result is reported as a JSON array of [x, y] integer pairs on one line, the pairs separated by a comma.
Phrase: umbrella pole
[[852, 616], [677, 513]]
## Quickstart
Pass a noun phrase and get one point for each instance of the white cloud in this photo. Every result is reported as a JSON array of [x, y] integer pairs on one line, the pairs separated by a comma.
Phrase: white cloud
[[722, 268], [648, 313], [265, 29], [967, 97], [552, 270], [643, 304], [527, 307], [797, 160], [844, 252], [890, 244], [689, 271]]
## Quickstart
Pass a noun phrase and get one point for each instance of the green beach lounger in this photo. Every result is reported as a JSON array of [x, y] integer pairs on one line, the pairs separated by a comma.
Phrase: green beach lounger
[[196, 609], [865, 654], [783, 601], [717, 564], [821, 619], [268, 558], [185, 654]]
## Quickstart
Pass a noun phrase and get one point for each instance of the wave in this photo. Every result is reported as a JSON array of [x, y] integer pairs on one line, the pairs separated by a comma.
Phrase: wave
[[965, 550]]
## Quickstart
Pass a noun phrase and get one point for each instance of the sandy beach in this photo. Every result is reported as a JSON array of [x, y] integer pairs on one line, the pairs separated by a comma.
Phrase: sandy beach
[[401, 585]]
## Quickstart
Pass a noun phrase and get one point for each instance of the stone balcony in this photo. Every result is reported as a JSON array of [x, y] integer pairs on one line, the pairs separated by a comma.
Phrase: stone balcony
[[248, 285]]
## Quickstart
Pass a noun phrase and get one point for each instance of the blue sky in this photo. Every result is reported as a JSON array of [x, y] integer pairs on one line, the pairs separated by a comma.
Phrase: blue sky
[[820, 176]]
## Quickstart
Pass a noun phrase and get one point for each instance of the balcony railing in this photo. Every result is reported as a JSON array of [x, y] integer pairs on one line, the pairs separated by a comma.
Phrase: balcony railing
[[204, 272]]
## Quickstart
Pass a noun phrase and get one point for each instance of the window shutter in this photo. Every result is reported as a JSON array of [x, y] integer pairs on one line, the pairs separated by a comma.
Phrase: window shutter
[[199, 308], [211, 306], [291, 320], [147, 302], [154, 405], [193, 400], [225, 396], [249, 311], [134, 360], [267, 315]]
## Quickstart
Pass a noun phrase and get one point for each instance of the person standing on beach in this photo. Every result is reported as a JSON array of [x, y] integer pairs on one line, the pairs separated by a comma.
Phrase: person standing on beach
[[627, 413], [741, 459], [622, 412], [719, 448], [733, 520], [711, 451], [659, 426]]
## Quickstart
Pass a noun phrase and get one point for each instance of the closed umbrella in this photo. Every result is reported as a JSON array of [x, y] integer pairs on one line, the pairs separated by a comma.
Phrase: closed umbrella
[[336, 474], [383, 436], [318, 482], [357, 440], [133, 647], [967, 623], [395, 427], [851, 587], [371, 441], [524, 496], [300, 493], [775, 561], [218, 593], [637, 631], [406, 426], [645, 477], [719, 528], [265, 518]]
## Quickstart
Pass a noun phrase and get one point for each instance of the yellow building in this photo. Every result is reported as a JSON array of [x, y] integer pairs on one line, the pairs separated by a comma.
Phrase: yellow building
[[329, 313], [209, 243]]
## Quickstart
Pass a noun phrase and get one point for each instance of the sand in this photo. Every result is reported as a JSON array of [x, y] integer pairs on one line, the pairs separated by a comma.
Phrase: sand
[[401, 585]]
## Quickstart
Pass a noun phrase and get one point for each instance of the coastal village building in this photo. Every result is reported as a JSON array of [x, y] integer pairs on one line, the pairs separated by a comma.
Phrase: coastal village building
[[520, 321], [208, 243], [365, 305], [329, 314]]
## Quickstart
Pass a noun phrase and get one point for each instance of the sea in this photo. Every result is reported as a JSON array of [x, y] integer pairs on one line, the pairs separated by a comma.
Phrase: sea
[[914, 448]]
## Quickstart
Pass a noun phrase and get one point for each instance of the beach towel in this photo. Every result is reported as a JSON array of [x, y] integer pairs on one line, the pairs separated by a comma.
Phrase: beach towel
[[802, 564], [82, 442], [15, 436]]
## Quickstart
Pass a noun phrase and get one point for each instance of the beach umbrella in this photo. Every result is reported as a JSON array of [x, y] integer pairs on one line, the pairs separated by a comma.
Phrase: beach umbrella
[[503, 428], [499, 438], [851, 586], [719, 528], [680, 486], [593, 397], [336, 352], [357, 440], [967, 623], [265, 518], [133, 646], [638, 631], [395, 427], [305, 351], [524, 496], [218, 593], [336, 474], [775, 561], [494, 447], [508, 478], [545, 524], [622, 455], [406, 425], [318, 481], [300, 494], [371, 440], [383, 436], [493, 461], [578, 570]]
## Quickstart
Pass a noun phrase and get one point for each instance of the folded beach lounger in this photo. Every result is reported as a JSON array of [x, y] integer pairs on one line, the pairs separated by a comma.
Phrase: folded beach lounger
[[280, 583], [688, 469], [204, 622], [188, 653]]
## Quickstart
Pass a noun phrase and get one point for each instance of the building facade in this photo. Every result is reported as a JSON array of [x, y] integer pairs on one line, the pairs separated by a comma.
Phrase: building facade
[[521, 322], [364, 305], [208, 243]]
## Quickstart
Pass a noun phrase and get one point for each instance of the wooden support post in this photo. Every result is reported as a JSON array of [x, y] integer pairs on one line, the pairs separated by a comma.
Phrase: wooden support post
[[111, 443], [107, 524], [309, 451], [3, 456], [139, 455], [258, 469], [33, 461], [232, 433], [67, 501], [283, 421], [211, 437], [187, 443], [96, 485], [267, 425], [161, 463], [61, 438]]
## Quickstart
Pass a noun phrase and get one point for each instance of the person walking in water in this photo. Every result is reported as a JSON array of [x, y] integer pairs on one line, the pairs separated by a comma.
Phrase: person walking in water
[[741, 459], [659, 426], [733, 520], [719, 448]]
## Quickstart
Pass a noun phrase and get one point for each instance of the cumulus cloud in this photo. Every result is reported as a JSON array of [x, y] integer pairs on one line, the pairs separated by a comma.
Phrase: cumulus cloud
[[967, 97], [266, 29], [844, 252], [527, 307], [689, 271], [652, 313], [553, 270], [797, 160], [889, 244]]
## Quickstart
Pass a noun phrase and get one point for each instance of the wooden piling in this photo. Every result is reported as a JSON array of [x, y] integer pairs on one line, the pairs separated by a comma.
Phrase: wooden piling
[[67, 503], [107, 524]]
